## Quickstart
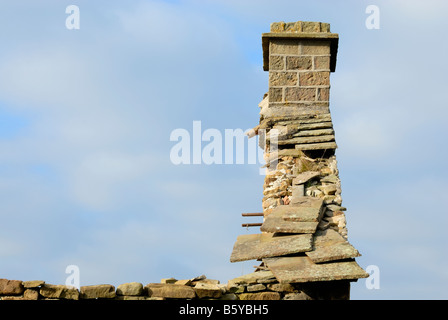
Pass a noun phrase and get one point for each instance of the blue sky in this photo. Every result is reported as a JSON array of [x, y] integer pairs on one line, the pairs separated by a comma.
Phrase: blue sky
[[86, 116]]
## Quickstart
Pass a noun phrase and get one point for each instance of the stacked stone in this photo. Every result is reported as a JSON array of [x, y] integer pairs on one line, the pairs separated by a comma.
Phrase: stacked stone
[[304, 234]]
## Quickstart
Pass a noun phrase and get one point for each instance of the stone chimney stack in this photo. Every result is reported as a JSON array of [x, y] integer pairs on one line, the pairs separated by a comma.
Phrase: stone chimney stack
[[304, 240]]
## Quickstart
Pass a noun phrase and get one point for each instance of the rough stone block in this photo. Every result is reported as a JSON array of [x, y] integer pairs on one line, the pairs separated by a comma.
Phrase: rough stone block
[[323, 94], [314, 47], [275, 94], [322, 63], [59, 291], [130, 289], [257, 246], [33, 283], [100, 291], [278, 26], [208, 290], [298, 63], [302, 269], [329, 245], [31, 294], [260, 296], [312, 78], [276, 62], [276, 223], [11, 287], [277, 79]]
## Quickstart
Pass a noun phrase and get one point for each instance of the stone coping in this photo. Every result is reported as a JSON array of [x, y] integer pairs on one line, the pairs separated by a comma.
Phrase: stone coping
[[333, 37]]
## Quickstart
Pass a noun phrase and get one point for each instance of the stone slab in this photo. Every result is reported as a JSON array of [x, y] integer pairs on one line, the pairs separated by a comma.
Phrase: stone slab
[[170, 291], [33, 283], [130, 289], [275, 223], [301, 269], [258, 246], [329, 245], [11, 287], [311, 210]]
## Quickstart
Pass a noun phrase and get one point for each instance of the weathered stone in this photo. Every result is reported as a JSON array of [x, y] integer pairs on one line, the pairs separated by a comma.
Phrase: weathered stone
[[329, 245], [208, 290], [305, 177], [276, 63], [302, 269], [59, 291], [287, 110], [328, 189], [257, 246], [12, 298], [260, 296], [322, 63], [317, 132], [297, 296], [275, 94], [278, 26], [317, 146], [310, 26], [281, 287], [100, 291], [254, 277], [285, 78], [173, 291], [256, 287], [130, 289], [275, 222], [311, 210], [323, 94], [229, 296], [314, 78], [283, 46], [11, 287], [136, 298], [334, 207], [316, 47], [33, 283], [184, 282], [168, 280], [305, 140], [31, 294], [293, 94], [298, 191], [297, 63]]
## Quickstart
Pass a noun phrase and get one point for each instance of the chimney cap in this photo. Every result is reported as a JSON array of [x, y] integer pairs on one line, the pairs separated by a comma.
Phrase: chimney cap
[[300, 30]]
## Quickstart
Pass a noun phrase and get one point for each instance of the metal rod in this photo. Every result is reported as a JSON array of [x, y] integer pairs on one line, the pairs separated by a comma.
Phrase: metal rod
[[256, 214], [251, 224]]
